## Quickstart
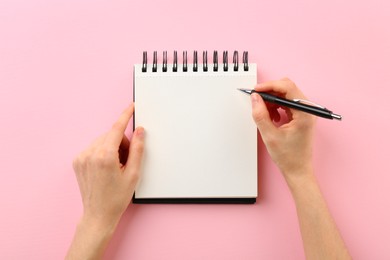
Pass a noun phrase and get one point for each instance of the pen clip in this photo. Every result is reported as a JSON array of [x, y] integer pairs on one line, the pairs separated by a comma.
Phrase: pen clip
[[307, 102]]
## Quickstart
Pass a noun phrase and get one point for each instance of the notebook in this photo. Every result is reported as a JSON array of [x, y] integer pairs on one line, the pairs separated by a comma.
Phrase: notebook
[[200, 139]]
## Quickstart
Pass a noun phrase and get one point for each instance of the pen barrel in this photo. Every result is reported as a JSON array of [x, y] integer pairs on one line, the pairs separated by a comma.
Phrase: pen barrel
[[317, 111]]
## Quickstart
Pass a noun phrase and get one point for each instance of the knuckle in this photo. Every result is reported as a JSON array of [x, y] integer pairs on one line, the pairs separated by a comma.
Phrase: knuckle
[[309, 121], [258, 117], [271, 142], [139, 147], [289, 84], [306, 123], [117, 126], [76, 163], [103, 158], [134, 176], [79, 161], [286, 79]]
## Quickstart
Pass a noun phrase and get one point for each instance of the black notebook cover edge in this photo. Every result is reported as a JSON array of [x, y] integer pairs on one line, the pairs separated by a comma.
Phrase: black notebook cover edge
[[194, 200]]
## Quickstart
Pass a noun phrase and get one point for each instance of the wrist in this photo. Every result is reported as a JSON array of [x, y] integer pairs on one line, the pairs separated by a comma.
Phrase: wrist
[[91, 238], [103, 226], [298, 179]]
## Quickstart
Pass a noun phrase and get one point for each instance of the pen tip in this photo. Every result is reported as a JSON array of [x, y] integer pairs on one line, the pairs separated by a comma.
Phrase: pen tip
[[247, 91]]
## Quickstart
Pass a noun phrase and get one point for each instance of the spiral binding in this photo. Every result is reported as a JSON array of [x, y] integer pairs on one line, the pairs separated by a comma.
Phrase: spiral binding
[[174, 68], [225, 61], [154, 68], [235, 60], [215, 61], [205, 61], [185, 61], [195, 67]]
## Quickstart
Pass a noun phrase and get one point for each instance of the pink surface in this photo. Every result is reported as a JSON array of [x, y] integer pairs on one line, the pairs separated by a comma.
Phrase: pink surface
[[66, 74]]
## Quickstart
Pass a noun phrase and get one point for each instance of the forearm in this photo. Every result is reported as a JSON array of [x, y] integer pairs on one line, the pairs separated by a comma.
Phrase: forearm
[[320, 236], [91, 238]]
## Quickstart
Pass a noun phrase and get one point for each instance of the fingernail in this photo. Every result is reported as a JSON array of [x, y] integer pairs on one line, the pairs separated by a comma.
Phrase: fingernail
[[140, 132]]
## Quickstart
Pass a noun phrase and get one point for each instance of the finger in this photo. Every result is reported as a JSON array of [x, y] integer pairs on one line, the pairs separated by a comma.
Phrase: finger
[[115, 135], [98, 142], [261, 115], [136, 153], [79, 161], [284, 87]]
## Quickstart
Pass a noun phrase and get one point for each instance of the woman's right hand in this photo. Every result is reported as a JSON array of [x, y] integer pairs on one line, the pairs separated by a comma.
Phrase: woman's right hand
[[290, 144]]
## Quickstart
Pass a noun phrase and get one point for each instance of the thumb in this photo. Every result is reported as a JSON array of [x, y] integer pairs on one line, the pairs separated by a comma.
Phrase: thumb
[[260, 115], [136, 152]]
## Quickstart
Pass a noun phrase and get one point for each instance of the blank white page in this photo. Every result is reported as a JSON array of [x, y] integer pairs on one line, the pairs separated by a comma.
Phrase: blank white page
[[200, 139]]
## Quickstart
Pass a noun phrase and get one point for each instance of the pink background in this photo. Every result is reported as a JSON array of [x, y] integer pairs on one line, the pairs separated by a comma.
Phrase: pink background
[[66, 74]]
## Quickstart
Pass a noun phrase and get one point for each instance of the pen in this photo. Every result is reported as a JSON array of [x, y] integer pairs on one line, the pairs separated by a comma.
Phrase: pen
[[297, 104]]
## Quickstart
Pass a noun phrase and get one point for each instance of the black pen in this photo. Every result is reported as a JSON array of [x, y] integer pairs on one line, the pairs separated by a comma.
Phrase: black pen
[[297, 104]]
